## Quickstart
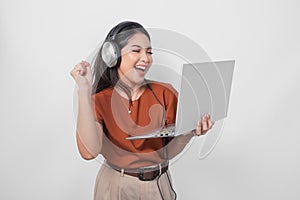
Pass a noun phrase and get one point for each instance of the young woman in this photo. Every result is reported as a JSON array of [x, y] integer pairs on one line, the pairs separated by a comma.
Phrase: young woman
[[116, 101]]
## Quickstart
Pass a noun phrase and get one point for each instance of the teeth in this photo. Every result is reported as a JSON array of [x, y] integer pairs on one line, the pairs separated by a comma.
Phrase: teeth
[[141, 67]]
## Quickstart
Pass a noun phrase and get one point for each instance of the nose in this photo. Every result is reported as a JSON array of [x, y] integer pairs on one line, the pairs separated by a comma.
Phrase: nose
[[145, 57]]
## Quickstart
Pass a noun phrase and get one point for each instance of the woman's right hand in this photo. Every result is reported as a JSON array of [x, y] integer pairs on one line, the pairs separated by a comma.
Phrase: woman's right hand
[[82, 74]]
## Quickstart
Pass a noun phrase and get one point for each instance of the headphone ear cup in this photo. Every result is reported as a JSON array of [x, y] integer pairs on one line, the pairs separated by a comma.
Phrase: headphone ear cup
[[110, 53]]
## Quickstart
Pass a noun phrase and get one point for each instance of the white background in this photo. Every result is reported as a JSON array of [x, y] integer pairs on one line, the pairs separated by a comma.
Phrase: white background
[[258, 154]]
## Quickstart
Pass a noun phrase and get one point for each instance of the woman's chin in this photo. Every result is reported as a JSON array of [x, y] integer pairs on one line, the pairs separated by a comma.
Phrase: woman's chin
[[139, 80], [134, 81]]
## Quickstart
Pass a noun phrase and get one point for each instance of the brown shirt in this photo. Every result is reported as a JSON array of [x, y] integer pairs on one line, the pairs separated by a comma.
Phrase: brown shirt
[[147, 114]]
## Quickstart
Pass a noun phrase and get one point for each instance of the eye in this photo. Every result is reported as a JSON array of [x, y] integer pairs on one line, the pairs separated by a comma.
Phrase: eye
[[139, 50]]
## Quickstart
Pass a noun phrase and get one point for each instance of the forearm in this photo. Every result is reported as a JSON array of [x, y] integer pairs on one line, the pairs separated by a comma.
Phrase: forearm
[[177, 144], [88, 131]]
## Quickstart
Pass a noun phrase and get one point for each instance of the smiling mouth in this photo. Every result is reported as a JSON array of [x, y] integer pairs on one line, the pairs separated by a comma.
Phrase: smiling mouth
[[141, 68]]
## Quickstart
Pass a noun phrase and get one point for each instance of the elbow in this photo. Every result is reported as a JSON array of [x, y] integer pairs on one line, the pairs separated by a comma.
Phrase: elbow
[[84, 152], [87, 156]]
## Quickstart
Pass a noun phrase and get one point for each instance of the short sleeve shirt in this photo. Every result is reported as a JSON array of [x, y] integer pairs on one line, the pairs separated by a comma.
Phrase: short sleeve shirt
[[155, 108]]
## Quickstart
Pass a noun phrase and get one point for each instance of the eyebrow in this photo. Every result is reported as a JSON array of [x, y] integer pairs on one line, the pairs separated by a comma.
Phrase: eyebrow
[[135, 45]]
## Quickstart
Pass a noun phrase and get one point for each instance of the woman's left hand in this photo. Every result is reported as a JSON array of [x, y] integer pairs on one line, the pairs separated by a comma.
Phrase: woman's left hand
[[203, 125]]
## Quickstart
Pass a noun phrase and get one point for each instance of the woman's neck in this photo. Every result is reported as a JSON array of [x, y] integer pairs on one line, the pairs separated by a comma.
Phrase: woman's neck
[[135, 92]]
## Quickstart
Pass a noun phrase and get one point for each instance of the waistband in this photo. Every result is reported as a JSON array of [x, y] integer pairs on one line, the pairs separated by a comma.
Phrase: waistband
[[147, 173]]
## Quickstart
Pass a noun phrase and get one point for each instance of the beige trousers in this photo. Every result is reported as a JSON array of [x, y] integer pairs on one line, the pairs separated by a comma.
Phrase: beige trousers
[[112, 185]]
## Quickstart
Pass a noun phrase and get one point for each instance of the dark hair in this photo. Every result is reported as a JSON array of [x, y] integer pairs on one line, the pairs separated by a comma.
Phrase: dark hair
[[104, 76]]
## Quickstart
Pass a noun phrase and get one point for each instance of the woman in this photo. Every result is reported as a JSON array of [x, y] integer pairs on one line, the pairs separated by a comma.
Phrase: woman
[[116, 101]]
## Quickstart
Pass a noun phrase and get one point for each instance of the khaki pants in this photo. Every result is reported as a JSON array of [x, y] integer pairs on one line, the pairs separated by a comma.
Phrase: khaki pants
[[112, 185]]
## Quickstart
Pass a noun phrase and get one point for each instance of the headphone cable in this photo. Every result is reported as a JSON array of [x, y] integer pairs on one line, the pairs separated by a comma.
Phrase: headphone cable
[[169, 181], [163, 123]]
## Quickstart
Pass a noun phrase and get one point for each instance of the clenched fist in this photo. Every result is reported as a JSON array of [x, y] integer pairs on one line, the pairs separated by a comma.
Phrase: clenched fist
[[82, 74]]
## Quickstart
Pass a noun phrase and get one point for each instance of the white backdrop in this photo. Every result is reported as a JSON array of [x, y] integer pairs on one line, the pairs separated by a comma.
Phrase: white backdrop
[[258, 154]]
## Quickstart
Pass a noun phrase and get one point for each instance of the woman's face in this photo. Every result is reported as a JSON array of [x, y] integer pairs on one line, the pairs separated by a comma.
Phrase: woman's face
[[136, 60]]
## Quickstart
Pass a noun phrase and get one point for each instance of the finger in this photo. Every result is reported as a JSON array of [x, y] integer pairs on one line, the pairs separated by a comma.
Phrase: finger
[[85, 63], [210, 123], [198, 128], [204, 123], [77, 70], [81, 69], [87, 68]]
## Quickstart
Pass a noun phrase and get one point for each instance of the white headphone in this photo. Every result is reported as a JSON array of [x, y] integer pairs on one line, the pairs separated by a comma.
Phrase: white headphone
[[111, 52]]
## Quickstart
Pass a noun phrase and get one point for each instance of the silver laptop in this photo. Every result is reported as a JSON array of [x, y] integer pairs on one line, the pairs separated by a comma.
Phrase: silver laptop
[[205, 88]]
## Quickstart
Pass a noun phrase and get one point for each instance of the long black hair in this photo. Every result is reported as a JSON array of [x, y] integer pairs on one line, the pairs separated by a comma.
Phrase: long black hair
[[104, 76]]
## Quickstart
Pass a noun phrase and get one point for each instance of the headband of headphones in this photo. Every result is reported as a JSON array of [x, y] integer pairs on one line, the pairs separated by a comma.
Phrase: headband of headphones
[[120, 27]]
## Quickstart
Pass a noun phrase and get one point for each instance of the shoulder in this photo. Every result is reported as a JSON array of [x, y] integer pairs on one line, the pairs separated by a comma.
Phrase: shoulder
[[103, 97], [106, 93]]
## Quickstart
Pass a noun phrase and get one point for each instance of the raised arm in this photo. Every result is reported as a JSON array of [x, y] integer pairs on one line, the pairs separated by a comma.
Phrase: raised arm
[[89, 132]]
